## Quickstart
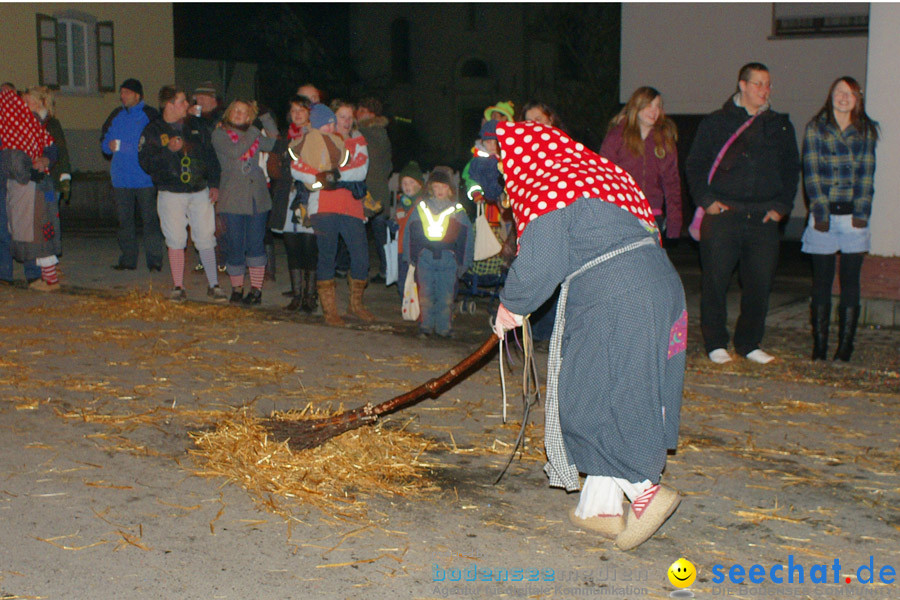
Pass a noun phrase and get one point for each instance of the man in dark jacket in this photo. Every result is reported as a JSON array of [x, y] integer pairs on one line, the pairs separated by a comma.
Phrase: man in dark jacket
[[177, 152], [131, 185], [373, 127], [207, 105], [746, 181]]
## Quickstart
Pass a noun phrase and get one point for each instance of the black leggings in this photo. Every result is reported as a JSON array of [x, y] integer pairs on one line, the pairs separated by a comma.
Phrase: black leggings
[[823, 278], [302, 251]]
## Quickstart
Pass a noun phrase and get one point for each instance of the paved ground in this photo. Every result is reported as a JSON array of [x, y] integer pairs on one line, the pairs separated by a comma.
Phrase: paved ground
[[101, 386]]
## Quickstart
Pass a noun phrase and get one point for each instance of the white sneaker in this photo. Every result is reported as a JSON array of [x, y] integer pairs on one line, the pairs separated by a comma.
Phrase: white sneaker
[[760, 357], [720, 356]]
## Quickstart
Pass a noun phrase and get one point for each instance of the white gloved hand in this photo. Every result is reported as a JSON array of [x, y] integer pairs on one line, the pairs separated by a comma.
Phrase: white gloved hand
[[505, 321]]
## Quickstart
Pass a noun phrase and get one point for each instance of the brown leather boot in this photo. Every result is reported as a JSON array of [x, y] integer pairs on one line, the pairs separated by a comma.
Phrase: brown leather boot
[[357, 287], [329, 303]]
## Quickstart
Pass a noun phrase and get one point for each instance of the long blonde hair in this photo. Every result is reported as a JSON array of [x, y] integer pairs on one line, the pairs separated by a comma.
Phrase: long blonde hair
[[665, 134]]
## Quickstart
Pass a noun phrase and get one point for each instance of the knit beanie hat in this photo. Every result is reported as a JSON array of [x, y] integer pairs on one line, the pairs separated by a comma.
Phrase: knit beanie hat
[[488, 130], [320, 115], [134, 85], [440, 175], [413, 171], [207, 88], [507, 108]]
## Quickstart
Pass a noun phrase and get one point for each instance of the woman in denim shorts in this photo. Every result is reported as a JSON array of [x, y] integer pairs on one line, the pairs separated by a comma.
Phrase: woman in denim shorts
[[839, 171]]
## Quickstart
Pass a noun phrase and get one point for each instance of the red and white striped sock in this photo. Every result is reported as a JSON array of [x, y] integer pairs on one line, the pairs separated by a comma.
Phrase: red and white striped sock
[[257, 274], [48, 274], [176, 265], [237, 281]]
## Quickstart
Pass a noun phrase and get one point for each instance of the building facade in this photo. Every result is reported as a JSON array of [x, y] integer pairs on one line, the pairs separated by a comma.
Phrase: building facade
[[85, 51]]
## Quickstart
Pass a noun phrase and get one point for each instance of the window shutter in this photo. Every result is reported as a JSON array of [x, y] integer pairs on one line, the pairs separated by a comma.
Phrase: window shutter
[[48, 68], [106, 59]]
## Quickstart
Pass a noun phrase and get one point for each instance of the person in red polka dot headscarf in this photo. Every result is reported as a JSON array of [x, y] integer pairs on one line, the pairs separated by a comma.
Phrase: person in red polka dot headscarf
[[28, 153], [617, 354]]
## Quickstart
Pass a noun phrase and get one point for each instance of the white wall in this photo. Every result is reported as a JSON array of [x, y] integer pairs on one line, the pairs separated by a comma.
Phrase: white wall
[[881, 103], [692, 52]]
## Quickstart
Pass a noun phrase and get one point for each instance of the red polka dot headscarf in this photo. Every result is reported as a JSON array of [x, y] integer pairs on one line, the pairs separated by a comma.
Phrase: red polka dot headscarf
[[19, 128], [545, 170]]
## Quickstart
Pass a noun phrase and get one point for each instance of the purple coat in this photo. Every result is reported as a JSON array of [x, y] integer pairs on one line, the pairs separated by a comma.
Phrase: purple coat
[[657, 177]]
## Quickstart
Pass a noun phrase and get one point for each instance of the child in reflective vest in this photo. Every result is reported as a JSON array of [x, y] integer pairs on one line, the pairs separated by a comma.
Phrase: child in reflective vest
[[439, 243]]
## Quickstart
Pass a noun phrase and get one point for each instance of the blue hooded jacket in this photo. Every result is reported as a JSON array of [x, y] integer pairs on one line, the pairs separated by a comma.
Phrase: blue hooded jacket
[[126, 125]]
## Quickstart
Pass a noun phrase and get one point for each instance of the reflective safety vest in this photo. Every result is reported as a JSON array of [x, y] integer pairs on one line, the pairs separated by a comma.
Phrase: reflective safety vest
[[436, 226]]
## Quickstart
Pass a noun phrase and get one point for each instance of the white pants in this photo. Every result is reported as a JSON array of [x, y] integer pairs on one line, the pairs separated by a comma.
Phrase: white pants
[[604, 495], [178, 210]]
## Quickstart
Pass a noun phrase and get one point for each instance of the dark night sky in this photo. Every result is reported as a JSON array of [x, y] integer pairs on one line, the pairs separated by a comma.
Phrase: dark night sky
[[219, 30]]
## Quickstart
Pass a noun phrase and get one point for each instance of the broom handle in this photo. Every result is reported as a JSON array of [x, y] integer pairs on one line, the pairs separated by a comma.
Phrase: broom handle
[[436, 386], [313, 432]]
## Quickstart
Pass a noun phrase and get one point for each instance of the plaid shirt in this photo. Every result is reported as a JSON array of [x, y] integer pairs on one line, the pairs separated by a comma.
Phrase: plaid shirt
[[838, 166]]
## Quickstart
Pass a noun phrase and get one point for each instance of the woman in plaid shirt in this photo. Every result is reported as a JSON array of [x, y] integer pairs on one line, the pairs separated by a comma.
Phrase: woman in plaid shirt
[[838, 173]]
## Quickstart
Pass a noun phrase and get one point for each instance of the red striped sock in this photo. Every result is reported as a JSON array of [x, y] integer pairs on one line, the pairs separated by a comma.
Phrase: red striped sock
[[257, 274], [176, 264], [48, 274], [237, 281]]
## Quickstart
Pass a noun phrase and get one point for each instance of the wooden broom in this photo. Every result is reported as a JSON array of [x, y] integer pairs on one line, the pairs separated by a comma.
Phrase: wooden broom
[[310, 433]]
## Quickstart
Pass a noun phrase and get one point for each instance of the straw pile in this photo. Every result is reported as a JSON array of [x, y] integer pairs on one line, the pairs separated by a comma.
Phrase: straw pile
[[337, 477], [153, 307]]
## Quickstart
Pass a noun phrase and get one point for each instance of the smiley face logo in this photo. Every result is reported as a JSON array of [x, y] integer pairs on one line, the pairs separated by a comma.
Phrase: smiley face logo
[[682, 573]]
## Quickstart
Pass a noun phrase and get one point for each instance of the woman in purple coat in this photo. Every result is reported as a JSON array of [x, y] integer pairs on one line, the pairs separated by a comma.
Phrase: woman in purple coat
[[641, 140]]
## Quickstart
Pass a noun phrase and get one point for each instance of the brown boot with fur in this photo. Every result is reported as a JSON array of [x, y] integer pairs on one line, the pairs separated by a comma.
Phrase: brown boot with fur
[[357, 287], [329, 303]]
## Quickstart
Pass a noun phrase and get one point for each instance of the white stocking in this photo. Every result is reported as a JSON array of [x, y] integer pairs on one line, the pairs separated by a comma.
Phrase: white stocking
[[603, 495]]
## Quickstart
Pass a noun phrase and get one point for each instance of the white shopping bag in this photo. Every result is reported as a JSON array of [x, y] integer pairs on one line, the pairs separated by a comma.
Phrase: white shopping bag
[[486, 244], [390, 259], [410, 307]]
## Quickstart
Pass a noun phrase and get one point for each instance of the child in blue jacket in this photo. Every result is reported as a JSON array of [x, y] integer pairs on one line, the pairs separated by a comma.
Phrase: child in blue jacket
[[439, 243]]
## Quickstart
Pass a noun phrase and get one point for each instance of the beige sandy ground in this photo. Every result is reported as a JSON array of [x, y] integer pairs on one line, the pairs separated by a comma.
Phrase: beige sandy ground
[[100, 495]]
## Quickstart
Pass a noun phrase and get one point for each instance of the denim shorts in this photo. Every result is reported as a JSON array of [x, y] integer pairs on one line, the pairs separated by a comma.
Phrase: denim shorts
[[841, 236]]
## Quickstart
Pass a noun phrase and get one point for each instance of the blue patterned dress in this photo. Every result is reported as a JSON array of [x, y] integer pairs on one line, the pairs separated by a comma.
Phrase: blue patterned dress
[[623, 348]]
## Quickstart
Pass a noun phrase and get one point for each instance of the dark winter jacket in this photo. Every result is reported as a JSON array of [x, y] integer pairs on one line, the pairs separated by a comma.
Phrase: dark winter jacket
[[185, 171], [761, 169], [62, 166], [458, 238], [210, 121], [126, 125], [380, 167]]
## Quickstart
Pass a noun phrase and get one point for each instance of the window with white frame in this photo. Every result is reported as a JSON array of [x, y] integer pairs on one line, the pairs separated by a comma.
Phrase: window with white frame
[[76, 53], [72, 55]]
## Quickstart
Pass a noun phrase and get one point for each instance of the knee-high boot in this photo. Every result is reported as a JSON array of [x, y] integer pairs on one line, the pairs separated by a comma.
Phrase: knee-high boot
[[820, 318], [357, 309], [329, 302], [297, 289], [310, 299], [848, 317]]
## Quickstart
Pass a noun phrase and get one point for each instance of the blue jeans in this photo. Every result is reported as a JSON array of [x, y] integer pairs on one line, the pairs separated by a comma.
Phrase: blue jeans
[[145, 198], [6, 266], [244, 241], [330, 227], [437, 287], [379, 224]]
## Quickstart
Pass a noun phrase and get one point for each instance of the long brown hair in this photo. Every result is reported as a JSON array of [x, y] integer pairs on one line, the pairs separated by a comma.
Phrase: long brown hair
[[665, 134], [858, 116]]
